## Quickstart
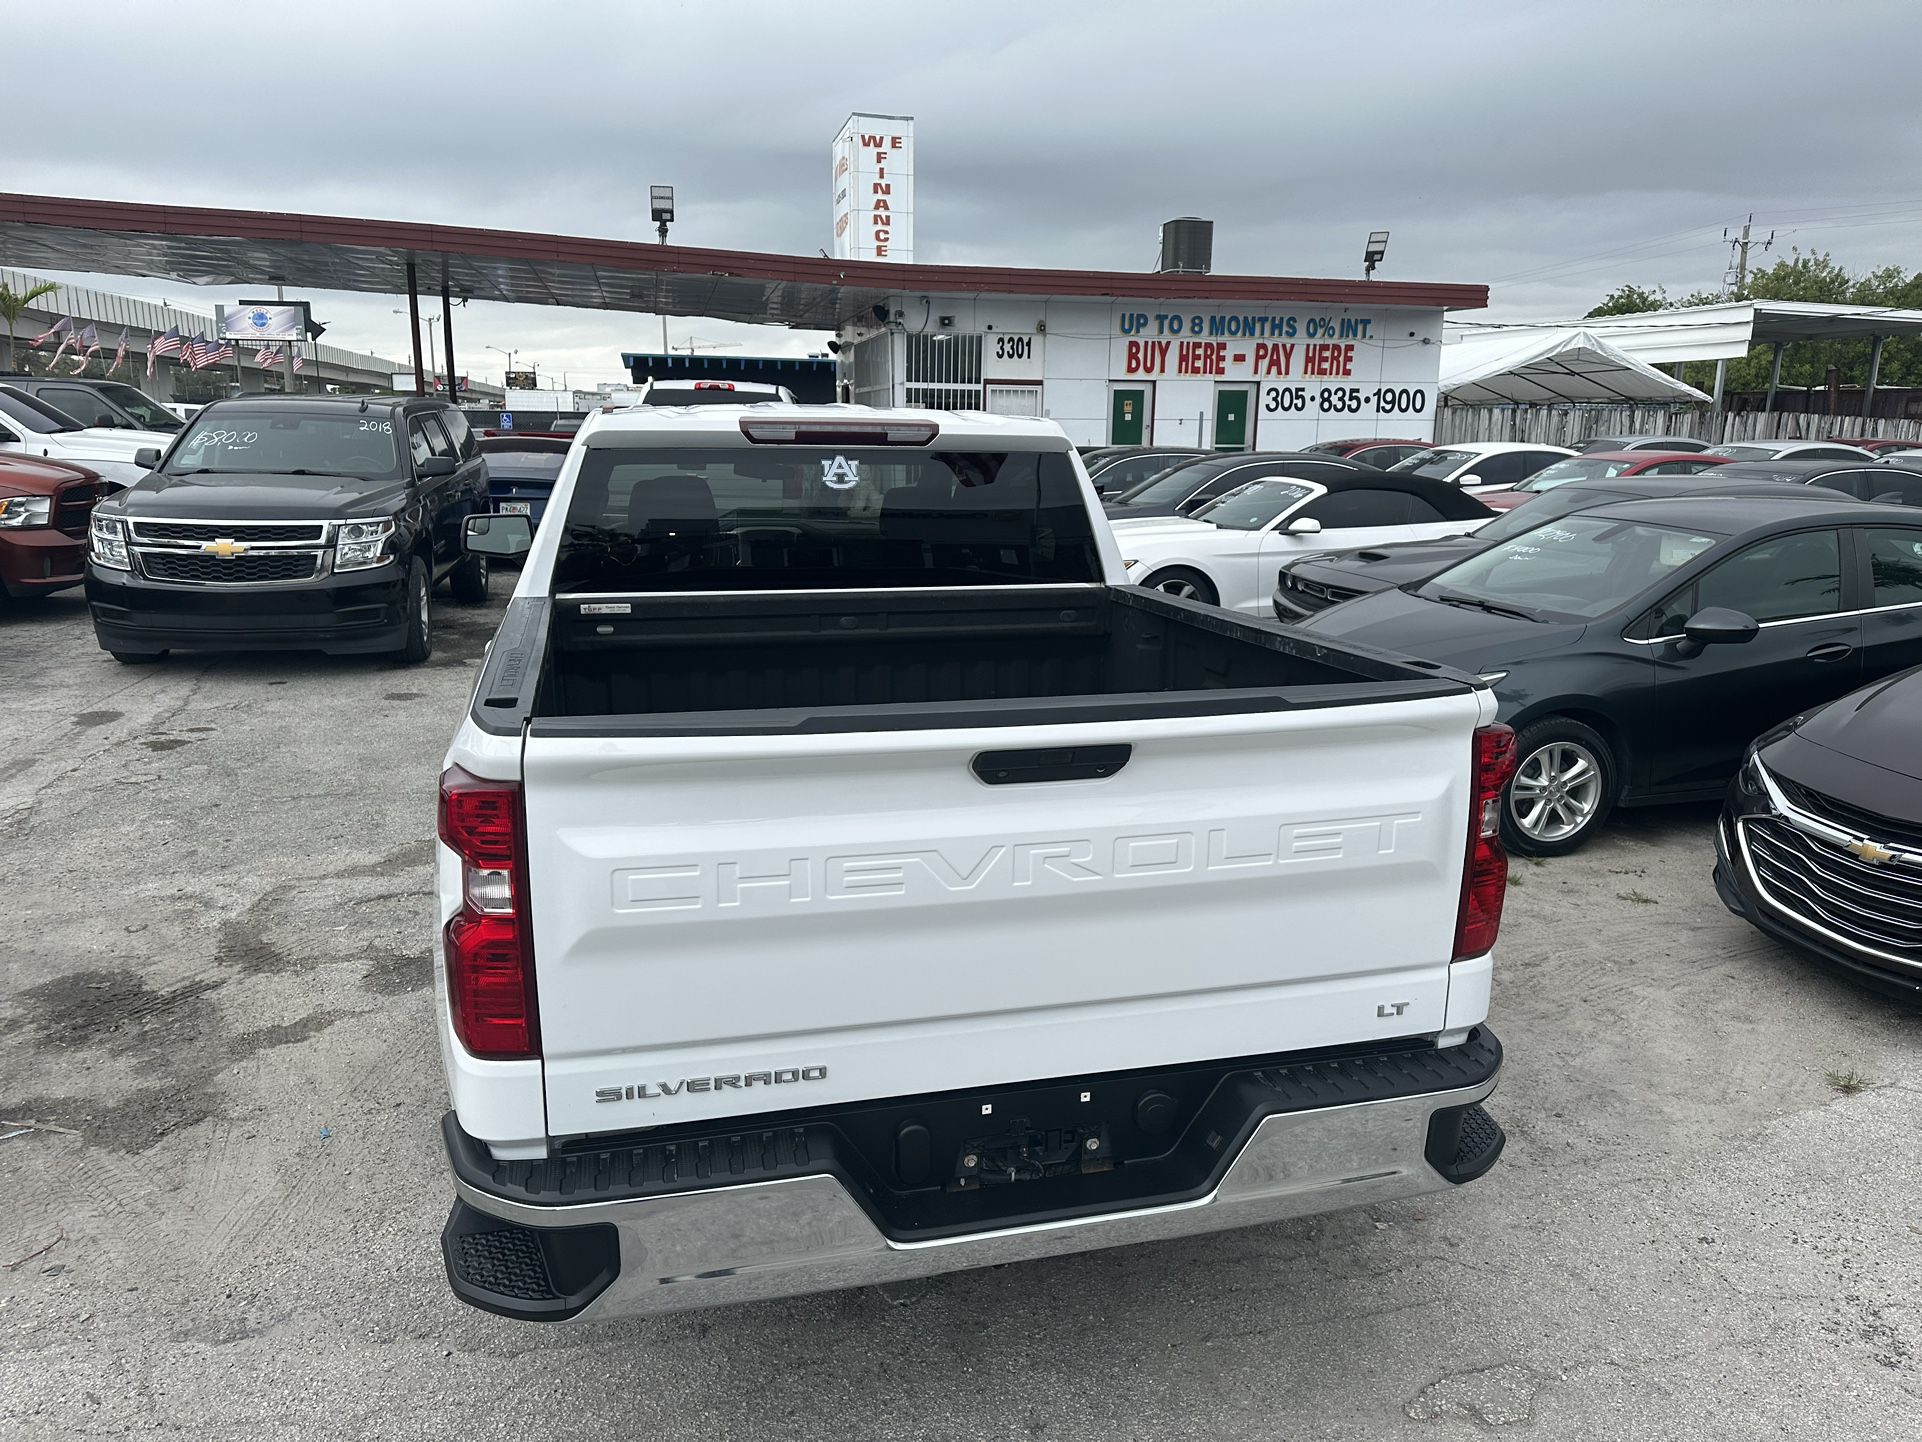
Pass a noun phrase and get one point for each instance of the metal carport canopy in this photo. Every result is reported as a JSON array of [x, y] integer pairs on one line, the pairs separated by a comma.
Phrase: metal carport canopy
[[250, 248], [1723, 332]]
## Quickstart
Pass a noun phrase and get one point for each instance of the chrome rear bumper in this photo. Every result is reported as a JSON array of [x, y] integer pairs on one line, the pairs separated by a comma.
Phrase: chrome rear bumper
[[796, 1235]]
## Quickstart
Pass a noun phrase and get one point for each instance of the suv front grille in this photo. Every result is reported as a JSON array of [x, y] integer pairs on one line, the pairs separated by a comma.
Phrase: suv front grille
[[1877, 909], [255, 567], [314, 533]]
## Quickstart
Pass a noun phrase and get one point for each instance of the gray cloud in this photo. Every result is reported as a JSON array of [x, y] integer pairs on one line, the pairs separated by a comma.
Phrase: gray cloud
[[1569, 147]]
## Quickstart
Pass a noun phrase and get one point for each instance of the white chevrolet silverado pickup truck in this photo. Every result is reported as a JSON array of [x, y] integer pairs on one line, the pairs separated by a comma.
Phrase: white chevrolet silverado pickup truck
[[845, 876]]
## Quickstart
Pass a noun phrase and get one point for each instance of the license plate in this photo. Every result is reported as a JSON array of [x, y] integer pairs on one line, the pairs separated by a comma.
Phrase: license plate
[[517, 508]]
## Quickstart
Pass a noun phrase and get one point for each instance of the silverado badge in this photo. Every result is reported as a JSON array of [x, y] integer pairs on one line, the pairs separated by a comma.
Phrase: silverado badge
[[1870, 852], [225, 549]]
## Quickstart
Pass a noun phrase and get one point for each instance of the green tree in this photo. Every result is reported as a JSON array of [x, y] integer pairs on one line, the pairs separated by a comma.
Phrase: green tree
[[1630, 299], [13, 305]]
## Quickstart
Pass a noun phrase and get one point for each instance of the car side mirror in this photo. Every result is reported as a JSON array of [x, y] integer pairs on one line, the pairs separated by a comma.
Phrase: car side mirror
[[1468, 480], [1303, 526], [147, 457], [496, 534], [1716, 626], [435, 466]]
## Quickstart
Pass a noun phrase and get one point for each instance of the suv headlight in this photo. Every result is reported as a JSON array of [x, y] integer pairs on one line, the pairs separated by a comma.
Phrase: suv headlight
[[361, 544], [16, 511], [107, 542]]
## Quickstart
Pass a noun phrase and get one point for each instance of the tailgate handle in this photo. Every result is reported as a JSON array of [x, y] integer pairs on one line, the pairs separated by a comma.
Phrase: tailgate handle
[[1050, 763]]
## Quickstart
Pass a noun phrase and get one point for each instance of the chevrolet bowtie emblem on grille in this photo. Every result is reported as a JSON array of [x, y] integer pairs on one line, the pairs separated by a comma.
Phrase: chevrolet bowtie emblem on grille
[[1870, 852], [224, 548]]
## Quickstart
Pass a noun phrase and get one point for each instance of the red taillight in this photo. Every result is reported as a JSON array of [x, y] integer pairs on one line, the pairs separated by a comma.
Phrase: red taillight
[[490, 941], [1485, 871]]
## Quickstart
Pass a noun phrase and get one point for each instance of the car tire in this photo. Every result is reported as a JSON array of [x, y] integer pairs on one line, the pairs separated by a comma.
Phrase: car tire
[[1184, 583], [417, 642], [468, 581], [138, 658], [1566, 779]]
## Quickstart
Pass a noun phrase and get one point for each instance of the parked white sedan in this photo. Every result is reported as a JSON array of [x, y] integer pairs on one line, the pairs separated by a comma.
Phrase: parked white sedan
[[1231, 551], [1482, 465]]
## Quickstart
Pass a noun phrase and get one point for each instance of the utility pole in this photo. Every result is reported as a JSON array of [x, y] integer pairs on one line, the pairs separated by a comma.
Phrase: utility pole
[[1735, 278]]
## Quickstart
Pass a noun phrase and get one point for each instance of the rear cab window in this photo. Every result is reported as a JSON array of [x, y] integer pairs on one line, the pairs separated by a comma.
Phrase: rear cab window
[[767, 517]]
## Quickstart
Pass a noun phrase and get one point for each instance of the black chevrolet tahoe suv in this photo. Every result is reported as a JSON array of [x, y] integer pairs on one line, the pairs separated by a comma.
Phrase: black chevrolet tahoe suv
[[291, 523]]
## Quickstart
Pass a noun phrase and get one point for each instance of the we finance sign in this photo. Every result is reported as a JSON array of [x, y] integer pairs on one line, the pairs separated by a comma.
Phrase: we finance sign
[[874, 188]]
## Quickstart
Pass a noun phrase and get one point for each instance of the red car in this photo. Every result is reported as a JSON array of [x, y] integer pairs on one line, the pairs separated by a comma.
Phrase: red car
[[1380, 453], [1874, 443], [45, 508], [1601, 466]]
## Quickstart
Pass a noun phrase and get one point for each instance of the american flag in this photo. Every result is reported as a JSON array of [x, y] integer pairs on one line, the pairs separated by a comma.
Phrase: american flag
[[119, 352], [223, 352], [199, 353], [300, 362], [63, 326], [267, 356], [168, 344], [90, 339]]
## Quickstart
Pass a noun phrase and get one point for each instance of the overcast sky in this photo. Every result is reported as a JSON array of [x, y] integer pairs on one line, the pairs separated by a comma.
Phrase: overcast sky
[[1552, 150]]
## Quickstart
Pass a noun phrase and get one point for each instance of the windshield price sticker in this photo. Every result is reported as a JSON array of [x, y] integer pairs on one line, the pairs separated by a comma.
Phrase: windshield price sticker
[[840, 473]]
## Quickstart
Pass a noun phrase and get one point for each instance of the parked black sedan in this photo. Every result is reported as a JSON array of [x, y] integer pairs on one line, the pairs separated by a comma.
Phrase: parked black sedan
[[1865, 480], [1315, 583], [1183, 490], [1122, 468], [1637, 647], [1820, 842]]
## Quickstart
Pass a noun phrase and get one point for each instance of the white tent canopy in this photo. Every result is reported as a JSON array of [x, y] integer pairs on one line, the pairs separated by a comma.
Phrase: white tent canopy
[[1542, 365]]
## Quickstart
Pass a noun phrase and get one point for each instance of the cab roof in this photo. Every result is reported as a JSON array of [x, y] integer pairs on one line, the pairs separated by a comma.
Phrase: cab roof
[[722, 424]]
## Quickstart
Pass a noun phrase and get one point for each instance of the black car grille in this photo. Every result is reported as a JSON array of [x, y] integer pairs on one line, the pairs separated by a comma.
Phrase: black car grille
[[1885, 829], [1314, 595], [1876, 909], [250, 531], [254, 568]]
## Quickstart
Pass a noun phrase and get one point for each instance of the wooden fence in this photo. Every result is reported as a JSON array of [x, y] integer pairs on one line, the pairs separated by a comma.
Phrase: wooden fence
[[1570, 425]]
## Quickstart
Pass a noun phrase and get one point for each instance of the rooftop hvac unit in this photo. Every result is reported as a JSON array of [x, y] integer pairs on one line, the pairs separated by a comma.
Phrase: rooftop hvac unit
[[1187, 246]]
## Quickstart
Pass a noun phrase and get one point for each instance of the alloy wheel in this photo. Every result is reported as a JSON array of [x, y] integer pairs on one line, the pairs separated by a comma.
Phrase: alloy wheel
[[1556, 791]]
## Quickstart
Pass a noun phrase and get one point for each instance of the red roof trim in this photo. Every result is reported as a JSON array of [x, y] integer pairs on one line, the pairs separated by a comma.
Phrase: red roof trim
[[419, 239]]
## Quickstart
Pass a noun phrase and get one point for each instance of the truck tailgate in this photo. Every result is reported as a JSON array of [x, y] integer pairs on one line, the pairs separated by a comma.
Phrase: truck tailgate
[[730, 925]]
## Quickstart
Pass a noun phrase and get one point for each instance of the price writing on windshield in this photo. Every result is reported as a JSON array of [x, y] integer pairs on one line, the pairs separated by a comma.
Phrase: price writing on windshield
[[228, 438], [1344, 400]]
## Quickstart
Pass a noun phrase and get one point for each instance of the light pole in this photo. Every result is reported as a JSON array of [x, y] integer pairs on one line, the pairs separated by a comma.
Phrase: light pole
[[510, 362], [660, 203], [432, 321]]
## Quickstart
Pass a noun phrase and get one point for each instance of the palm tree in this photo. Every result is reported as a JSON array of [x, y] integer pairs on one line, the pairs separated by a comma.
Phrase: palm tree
[[13, 305]]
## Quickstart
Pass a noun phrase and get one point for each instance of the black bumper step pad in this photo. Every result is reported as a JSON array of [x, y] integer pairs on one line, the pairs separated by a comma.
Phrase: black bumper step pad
[[536, 1273]]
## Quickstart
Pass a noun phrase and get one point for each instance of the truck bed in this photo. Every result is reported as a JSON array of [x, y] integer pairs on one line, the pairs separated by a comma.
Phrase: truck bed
[[801, 662]]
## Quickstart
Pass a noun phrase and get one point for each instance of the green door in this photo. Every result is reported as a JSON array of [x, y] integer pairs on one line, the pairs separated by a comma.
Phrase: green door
[[1231, 418], [1127, 417]]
